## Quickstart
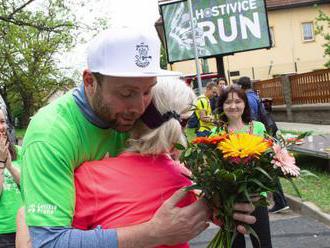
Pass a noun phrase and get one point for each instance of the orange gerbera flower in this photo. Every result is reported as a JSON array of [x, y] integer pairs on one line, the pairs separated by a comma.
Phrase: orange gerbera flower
[[243, 145], [214, 140]]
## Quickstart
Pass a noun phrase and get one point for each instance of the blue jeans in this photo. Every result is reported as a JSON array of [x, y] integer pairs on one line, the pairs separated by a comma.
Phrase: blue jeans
[[204, 133]]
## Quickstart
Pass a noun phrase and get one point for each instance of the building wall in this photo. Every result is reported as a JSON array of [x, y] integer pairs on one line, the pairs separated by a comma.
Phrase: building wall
[[289, 55]]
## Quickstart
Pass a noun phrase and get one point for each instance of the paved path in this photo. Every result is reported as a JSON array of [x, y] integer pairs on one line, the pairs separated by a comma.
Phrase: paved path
[[316, 128], [289, 230]]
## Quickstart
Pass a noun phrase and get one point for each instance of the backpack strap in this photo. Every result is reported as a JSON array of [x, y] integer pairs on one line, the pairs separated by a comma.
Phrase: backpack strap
[[201, 100]]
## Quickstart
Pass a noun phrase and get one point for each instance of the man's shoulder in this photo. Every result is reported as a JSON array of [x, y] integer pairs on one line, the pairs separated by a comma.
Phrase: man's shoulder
[[54, 118], [202, 101], [251, 94], [202, 97]]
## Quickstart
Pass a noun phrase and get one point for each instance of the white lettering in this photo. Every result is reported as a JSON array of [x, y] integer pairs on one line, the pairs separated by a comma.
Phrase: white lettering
[[253, 4], [215, 11], [245, 5], [233, 7], [228, 8], [199, 14], [239, 7], [208, 32], [222, 9], [222, 33], [254, 26]]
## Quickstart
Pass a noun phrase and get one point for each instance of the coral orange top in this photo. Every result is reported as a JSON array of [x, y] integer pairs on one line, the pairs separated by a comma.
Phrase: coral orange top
[[126, 190]]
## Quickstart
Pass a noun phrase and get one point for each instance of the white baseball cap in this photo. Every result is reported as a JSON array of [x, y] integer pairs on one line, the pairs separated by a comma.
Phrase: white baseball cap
[[126, 52]]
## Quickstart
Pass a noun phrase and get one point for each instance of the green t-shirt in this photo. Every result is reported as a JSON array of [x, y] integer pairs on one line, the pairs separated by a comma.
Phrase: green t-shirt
[[10, 200], [58, 139], [258, 129], [203, 103]]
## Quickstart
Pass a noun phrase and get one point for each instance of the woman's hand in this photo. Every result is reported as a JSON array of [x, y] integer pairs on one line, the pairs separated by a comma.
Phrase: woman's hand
[[3, 150], [243, 214], [8, 163]]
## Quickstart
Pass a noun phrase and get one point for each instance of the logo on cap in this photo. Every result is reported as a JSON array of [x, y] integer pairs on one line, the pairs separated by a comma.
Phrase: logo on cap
[[142, 58]]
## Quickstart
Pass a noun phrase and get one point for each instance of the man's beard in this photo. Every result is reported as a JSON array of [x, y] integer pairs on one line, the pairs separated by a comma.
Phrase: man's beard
[[104, 112]]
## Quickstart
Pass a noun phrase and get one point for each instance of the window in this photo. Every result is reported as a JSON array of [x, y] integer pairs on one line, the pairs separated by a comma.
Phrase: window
[[308, 31], [272, 37]]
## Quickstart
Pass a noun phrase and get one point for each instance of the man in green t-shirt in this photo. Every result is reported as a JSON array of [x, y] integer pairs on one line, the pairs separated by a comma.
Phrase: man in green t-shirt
[[86, 124]]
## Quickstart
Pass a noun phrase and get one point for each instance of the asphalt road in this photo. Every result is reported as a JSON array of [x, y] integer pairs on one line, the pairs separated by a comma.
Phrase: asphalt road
[[288, 231]]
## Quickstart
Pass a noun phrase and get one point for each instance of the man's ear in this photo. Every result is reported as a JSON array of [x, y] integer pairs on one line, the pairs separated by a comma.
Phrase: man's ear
[[89, 82], [88, 78]]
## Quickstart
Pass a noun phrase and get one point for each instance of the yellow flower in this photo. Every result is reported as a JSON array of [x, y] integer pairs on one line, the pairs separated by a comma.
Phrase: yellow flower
[[243, 145]]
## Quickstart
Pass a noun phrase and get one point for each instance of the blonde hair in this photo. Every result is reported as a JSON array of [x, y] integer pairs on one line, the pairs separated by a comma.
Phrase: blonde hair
[[169, 94]]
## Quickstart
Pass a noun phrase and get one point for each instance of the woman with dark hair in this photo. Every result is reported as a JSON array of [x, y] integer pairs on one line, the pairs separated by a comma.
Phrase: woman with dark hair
[[10, 196], [234, 106]]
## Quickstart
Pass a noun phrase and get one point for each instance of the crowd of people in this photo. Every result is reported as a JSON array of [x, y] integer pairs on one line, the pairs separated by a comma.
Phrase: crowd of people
[[99, 166]]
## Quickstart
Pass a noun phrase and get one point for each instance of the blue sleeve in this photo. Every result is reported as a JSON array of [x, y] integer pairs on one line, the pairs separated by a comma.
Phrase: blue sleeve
[[253, 102], [62, 237]]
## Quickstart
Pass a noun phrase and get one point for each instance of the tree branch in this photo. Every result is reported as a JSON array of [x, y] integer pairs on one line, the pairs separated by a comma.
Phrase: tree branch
[[39, 27], [20, 8]]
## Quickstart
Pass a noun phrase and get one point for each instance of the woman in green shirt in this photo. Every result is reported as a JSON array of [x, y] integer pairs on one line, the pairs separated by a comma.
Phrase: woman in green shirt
[[10, 196], [236, 117]]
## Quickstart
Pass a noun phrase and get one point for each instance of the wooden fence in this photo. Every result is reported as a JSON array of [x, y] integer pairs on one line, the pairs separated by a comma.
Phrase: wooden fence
[[271, 89], [312, 87], [306, 88]]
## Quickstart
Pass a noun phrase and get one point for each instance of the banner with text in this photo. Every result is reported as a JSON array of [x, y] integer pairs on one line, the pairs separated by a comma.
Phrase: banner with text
[[221, 27]]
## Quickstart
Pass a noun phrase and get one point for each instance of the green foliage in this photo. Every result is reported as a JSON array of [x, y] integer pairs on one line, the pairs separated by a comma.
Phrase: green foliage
[[163, 58], [322, 21], [20, 133], [225, 181], [31, 41]]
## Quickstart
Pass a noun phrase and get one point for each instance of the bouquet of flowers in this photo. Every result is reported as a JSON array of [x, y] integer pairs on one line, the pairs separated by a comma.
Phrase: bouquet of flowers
[[228, 168]]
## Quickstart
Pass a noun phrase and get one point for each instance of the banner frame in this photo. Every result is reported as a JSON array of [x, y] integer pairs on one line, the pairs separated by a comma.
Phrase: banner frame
[[214, 55]]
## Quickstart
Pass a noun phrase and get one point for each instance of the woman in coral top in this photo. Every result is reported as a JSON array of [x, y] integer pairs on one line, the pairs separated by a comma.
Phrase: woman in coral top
[[129, 189]]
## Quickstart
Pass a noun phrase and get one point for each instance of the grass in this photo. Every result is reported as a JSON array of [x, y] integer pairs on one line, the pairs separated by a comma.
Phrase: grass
[[313, 189], [20, 133]]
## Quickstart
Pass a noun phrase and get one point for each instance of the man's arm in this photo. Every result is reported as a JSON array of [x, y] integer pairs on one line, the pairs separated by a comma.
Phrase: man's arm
[[170, 225], [202, 110], [204, 117], [61, 237]]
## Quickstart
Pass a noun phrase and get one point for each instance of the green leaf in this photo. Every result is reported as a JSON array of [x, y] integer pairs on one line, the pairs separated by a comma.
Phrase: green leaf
[[305, 134], [251, 231], [192, 187], [307, 173], [179, 147], [257, 182], [264, 172]]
